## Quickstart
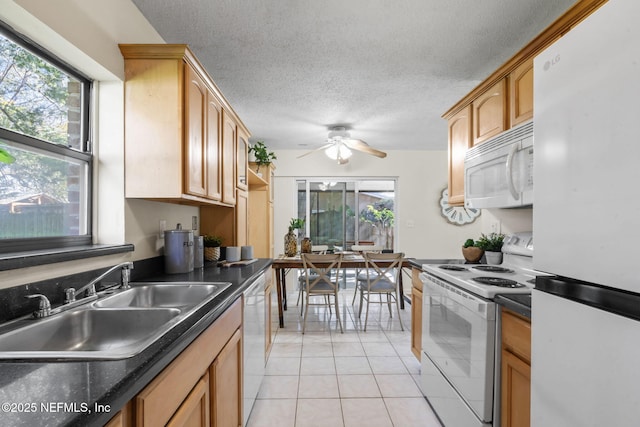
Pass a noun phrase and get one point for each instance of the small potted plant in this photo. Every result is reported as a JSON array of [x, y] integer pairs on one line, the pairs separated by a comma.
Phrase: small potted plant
[[212, 247], [471, 251], [263, 157], [492, 245]]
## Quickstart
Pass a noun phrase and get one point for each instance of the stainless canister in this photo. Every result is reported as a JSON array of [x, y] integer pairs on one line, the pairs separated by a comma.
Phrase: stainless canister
[[178, 250], [198, 252]]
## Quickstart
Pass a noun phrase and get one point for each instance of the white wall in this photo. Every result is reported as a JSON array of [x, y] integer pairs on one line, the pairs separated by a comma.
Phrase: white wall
[[422, 231], [507, 220], [86, 34]]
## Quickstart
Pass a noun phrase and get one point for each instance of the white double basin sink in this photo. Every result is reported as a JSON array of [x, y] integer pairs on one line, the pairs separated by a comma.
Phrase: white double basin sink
[[116, 326]]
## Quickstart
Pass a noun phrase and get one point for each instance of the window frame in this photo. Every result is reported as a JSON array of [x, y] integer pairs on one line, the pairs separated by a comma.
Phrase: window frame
[[84, 154]]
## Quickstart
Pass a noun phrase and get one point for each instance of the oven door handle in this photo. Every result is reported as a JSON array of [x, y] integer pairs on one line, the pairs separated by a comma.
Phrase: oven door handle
[[476, 305]]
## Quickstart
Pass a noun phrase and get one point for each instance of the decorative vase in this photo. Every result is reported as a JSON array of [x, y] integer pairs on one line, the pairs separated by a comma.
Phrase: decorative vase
[[305, 247], [212, 254], [493, 257], [290, 244], [472, 253]]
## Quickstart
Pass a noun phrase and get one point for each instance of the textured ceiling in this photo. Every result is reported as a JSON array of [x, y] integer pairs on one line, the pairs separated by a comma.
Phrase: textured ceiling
[[385, 69]]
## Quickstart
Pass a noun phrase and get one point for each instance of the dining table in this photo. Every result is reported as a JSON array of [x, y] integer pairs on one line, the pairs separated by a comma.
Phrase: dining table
[[282, 264]]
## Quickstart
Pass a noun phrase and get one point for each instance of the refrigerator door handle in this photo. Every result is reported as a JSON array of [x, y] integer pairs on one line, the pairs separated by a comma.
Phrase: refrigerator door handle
[[512, 188]]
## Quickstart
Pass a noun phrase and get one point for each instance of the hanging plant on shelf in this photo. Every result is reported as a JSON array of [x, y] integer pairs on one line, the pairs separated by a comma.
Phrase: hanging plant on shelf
[[263, 156]]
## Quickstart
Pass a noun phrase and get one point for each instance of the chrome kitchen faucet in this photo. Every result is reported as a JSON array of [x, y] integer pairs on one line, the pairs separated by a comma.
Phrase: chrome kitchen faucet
[[44, 306], [70, 293]]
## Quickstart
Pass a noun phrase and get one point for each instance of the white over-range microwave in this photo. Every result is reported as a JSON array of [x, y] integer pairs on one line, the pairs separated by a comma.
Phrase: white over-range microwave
[[499, 172]]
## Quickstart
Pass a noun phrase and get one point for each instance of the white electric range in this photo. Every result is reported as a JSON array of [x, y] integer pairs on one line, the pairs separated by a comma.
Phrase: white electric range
[[514, 276], [460, 332]]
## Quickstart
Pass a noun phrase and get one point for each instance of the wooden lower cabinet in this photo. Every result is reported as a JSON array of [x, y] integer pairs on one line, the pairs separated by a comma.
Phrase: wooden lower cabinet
[[194, 411], [416, 313], [226, 385], [204, 378], [515, 370], [122, 418], [516, 391]]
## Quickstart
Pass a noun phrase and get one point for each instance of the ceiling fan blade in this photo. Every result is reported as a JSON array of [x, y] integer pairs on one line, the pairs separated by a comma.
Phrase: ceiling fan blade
[[323, 147], [359, 145]]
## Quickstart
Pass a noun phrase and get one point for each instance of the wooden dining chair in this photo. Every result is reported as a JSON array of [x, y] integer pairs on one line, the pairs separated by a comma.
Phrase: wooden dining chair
[[315, 249], [360, 274], [382, 277], [320, 280]]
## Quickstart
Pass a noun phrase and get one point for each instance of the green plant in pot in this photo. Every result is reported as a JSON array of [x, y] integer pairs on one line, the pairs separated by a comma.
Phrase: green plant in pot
[[263, 156], [212, 247], [471, 251], [492, 245]]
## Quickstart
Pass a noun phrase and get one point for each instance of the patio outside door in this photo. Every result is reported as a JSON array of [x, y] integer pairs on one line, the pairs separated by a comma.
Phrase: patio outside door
[[344, 212]]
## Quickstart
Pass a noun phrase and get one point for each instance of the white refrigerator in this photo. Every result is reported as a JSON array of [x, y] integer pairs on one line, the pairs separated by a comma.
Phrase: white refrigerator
[[586, 321]]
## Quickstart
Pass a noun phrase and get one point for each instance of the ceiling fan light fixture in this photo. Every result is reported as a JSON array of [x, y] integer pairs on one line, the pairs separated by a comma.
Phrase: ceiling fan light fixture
[[338, 133], [338, 152]]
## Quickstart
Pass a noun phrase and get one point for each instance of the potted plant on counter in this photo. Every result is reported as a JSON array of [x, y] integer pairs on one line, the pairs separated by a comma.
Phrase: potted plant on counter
[[263, 157], [212, 247], [492, 246], [471, 251]]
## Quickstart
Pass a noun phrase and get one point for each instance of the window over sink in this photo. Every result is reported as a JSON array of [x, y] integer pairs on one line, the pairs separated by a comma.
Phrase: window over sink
[[45, 151]]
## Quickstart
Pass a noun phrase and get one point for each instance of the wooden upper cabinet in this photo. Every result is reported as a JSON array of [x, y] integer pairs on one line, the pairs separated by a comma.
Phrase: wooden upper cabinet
[[174, 129], [504, 99], [459, 142], [214, 147], [229, 135], [490, 113], [242, 214], [242, 164], [260, 217], [195, 165], [521, 93]]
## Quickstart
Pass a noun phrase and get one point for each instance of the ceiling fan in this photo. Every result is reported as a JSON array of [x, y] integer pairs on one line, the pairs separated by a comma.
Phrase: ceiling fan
[[339, 145]]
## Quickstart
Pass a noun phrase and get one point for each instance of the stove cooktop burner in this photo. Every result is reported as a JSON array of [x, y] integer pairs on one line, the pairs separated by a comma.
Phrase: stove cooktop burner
[[498, 281], [452, 267], [493, 269]]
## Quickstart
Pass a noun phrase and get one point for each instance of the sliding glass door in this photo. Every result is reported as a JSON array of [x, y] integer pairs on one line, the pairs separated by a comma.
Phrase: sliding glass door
[[343, 212]]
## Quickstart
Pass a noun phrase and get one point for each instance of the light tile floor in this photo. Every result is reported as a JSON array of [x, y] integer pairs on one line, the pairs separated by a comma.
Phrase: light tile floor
[[330, 379]]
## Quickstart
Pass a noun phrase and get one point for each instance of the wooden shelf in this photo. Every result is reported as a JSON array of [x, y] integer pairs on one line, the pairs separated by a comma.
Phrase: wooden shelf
[[256, 181]]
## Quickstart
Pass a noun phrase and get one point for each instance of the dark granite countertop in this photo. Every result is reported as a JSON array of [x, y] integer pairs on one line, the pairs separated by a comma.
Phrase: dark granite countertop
[[519, 303], [55, 393]]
